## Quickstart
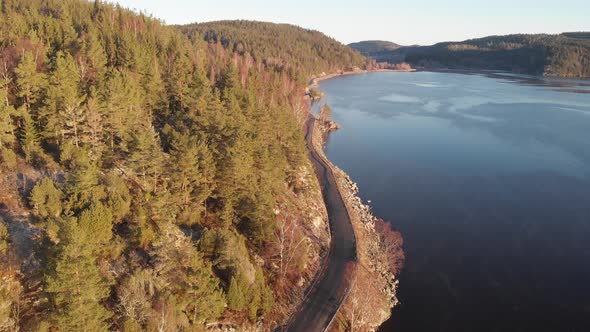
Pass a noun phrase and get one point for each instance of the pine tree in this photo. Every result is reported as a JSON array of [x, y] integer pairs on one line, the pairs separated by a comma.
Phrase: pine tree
[[235, 296], [94, 59], [119, 198], [189, 281], [46, 199], [7, 136], [6, 128], [146, 156], [193, 172], [82, 179], [64, 115], [199, 292], [30, 88], [29, 81], [122, 106], [29, 137], [151, 82], [259, 298], [262, 297], [92, 129], [97, 223], [76, 287]]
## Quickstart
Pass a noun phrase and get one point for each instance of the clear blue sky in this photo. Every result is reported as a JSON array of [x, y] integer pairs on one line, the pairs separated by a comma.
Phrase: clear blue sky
[[405, 22]]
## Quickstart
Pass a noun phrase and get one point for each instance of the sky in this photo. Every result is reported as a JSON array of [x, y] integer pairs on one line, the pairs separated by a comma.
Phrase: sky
[[422, 22]]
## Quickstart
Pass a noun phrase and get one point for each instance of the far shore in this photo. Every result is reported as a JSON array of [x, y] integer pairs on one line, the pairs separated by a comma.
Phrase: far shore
[[561, 82], [314, 82]]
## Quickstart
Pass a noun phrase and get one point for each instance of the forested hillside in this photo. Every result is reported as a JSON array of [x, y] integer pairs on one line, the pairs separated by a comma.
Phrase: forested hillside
[[374, 48], [150, 181], [564, 55], [286, 48]]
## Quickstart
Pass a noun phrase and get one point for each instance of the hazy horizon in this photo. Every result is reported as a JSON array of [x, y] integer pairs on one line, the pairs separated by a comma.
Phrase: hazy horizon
[[424, 22]]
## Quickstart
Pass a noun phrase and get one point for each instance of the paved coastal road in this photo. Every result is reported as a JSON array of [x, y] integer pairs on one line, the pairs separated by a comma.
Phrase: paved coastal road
[[331, 285]]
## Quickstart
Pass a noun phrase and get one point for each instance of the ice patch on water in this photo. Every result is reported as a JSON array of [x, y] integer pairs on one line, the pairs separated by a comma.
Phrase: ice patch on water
[[430, 85], [432, 106], [465, 103], [397, 98], [574, 110], [479, 117]]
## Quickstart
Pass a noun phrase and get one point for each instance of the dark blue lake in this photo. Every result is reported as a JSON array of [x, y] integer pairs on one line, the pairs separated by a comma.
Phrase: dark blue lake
[[488, 179]]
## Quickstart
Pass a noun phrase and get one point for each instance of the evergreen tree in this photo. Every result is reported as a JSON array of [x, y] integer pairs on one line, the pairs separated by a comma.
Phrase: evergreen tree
[[93, 59], [64, 115], [235, 296], [97, 223], [189, 281], [29, 137], [262, 299], [92, 129], [76, 286], [82, 180], [7, 136], [193, 172], [122, 102], [29, 81], [119, 198], [7, 131], [146, 156], [46, 199]]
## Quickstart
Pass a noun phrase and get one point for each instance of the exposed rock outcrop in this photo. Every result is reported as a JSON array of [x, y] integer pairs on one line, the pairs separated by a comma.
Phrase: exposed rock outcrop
[[325, 123]]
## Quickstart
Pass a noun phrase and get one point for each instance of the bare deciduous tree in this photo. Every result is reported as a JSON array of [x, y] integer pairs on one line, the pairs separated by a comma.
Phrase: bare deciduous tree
[[290, 244]]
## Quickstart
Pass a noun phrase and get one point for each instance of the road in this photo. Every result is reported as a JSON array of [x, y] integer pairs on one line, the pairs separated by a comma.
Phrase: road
[[330, 287]]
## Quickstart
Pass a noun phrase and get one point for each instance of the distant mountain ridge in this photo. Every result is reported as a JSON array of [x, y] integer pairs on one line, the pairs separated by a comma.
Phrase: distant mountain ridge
[[371, 47], [562, 55], [376, 49]]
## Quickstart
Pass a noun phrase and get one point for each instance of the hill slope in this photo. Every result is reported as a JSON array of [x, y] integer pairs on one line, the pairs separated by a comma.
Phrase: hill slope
[[286, 48], [163, 184], [563, 55], [372, 47]]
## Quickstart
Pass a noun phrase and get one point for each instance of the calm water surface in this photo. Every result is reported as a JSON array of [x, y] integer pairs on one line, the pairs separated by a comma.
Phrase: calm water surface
[[488, 179]]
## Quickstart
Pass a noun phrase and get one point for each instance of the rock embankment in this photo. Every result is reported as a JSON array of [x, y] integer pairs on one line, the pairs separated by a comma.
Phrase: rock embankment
[[371, 248], [373, 293], [325, 123]]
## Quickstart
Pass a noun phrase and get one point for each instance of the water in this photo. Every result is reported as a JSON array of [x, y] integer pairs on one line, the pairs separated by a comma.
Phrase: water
[[488, 179]]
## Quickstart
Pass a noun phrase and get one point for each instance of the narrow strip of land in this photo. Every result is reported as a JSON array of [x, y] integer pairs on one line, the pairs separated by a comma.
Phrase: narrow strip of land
[[325, 296]]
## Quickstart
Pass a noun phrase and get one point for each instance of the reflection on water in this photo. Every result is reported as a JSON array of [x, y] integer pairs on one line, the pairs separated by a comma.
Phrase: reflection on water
[[564, 85], [488, 178]]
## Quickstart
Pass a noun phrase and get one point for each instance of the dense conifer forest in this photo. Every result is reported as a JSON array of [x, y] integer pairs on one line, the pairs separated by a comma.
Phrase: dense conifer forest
[[144, 171], [299, 52]]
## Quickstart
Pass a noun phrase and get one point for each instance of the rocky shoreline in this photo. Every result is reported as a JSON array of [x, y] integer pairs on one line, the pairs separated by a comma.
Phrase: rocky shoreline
[[374, 275], [315, 81]]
